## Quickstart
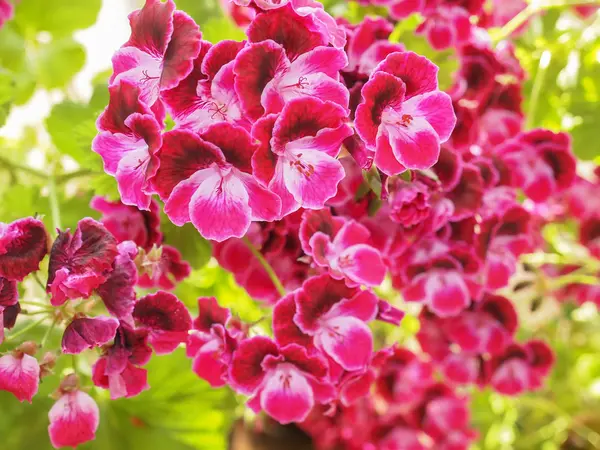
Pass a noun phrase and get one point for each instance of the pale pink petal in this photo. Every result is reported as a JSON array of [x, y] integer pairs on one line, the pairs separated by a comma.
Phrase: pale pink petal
[[287, 395], [19, 375], [347, 340], [74, 419]]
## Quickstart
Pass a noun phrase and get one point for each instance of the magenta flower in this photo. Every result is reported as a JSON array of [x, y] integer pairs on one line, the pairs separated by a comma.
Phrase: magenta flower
[[23, 245], [335, 316], [589, 234], [160, 51], [80, 262], [128, 223], [285, 382], [540, 162], [118, 290], [212, 342], [266, 79], [301, 165], [520, 367], [128, 140], [208, 180], [119, 368], [409, 202], [74, 419], [166, 318], [447, 26], [166, 270], [6, 12], [403, 116], [88, 332], [442, 276], [347, 253], [20, 372]]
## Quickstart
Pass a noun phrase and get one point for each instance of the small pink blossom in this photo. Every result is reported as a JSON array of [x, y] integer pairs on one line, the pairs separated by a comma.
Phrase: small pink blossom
[[20, 372], [23, 245]]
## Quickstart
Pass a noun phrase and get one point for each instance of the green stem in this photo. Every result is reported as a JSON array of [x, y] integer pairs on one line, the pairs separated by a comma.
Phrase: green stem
[[38, 304], [25, 329], [49, 331], [538, 84], [38, 281], [76, 174], [54, 206], [270, 271], [12, 166], [533, 8]]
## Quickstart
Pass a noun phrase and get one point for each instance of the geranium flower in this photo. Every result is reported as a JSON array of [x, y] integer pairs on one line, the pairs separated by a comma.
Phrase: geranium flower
[[128, 141], [88, 332], [285, 382], [20, 372], [403, 116], [208, 180], [23, 245]]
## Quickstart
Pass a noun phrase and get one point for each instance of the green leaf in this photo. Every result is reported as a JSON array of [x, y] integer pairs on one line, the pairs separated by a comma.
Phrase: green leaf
[[7, 86], [201, 11], [58, 61], [194, 248], [218, 29], [58, 17]]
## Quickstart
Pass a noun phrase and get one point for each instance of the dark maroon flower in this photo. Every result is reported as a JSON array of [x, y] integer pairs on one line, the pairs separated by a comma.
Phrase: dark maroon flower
[[9, 297], [467, 195], [166, 318], [80, 262], [164, 268], [589, 234], [88, 332], [118, 291], [23, 244]]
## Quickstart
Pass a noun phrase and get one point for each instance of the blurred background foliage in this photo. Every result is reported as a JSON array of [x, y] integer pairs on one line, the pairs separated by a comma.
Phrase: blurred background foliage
[[42, 54]]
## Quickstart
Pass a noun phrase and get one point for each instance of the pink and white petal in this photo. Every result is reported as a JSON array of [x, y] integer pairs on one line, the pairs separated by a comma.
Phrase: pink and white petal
[[448, 294], [362, 264], [326, 60], [347, 340], [264, 160], [437, 109], [312, 177], [287, 395], [264, 204], [19, 375], [177, 207], [74, 419], [317, 85], [321, 249], [143, 70], [385, 160], [219, 208], [278, 187], [132, 178], [327, 140], [356, 388], [416, 146], [112, 147], [218, 55], [352, 233], [183, 48]]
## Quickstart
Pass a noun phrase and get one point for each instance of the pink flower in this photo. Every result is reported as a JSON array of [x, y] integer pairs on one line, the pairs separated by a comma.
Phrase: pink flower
[[266, 79], [212, 342], [128, 223], [347, 253], [128, 140], [442, 276], [208, 180], [74, 419], [119, 368], [301, 166], [403, 116], [285, 382], [6, 12], [160, 51], [23, 245], [589, 234], [80, 262], [20, 372], [467, 195], [241, 15], [540, 162], [166, 318], [520, 367], [88, 332], [335, 317], [409, 202], [446, 26], [118, 290]]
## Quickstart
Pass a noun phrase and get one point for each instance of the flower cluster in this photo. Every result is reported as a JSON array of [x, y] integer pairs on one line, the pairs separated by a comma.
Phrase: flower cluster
[[323, 162]]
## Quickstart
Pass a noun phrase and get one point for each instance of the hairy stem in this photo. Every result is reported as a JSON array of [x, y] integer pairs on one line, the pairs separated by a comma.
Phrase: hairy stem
[[13, 166], [270, 271], [25, 329], [54, 205]]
